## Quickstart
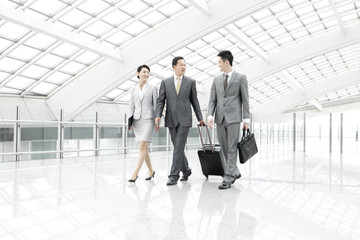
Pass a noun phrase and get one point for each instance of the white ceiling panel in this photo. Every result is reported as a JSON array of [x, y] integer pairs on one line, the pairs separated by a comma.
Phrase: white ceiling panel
[[37, 63]]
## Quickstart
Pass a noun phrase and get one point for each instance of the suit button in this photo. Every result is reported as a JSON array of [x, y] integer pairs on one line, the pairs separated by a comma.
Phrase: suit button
[[224, 105]]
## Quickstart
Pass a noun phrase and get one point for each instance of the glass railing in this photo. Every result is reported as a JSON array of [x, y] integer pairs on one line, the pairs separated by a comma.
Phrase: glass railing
[[22, 140]]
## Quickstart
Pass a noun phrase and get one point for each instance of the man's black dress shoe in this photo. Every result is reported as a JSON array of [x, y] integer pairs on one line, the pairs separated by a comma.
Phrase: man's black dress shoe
[[171, 182], [152, 176], [236, 177], [185, 177], [225, 185]]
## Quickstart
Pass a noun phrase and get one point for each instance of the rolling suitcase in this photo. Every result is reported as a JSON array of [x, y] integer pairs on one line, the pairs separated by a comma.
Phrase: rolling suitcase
[[210, 156]]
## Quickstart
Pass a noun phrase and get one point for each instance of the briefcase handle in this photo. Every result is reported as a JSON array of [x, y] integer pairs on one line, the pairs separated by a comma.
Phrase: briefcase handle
[[201, 138], [245, 133]]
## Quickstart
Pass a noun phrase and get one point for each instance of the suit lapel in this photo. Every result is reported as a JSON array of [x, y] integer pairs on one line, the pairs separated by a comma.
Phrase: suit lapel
[[221, 82], [218, 83], [137, 92]]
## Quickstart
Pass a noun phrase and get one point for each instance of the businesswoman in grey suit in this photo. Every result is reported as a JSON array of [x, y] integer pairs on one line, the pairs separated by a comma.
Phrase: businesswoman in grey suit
[[142, 108]]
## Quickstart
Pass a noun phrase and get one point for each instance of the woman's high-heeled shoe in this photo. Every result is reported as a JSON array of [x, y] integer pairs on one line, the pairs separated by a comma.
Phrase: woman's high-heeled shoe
[[152, 176], [133, 180]]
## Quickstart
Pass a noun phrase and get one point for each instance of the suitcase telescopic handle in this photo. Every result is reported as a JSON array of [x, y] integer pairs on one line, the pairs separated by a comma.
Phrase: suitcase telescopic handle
[[201, 138]]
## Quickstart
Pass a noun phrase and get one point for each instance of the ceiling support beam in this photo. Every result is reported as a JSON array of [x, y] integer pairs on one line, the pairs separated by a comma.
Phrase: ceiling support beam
[[200, 5], [299, 87], [347, 103], [21, 18], [317, 105], [297, 97], [285, 74], [337, 16], [241, 37]]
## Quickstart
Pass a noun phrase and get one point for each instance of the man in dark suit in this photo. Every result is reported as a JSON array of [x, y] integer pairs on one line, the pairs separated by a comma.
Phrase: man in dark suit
[[179, 93]]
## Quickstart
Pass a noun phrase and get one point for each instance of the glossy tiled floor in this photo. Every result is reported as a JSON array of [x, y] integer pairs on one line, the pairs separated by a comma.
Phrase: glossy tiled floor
[[281, 195]]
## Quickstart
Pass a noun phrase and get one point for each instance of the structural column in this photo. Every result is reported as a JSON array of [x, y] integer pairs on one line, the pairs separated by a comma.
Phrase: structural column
[[96, 134], [17, 134], [330, 134], [124, 133], [61, 134], [341, 133], [304, 132], [294, 132]]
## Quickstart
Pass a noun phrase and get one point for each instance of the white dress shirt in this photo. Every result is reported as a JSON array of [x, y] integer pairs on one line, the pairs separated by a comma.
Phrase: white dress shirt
[[175, 80], [141, 91]]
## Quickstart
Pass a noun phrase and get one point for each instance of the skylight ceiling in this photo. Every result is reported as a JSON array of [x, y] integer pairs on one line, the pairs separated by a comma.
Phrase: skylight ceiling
[[305, 73], [274, 29], [340, 96], [36, 64]]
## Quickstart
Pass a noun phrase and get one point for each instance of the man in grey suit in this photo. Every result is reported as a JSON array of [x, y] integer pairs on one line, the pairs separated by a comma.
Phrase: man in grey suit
[[179, 93], [229, 100]]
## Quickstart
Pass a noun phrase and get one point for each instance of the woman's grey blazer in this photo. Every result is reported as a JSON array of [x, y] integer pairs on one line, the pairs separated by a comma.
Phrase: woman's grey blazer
[[144, 106]]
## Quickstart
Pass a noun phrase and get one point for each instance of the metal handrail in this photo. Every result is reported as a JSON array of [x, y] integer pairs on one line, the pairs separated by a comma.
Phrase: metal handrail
[[88, 150], [78, 150], [58, 122]]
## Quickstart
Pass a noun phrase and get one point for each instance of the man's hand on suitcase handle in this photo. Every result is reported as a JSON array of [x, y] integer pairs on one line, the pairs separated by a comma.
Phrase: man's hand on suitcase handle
[[202, 123]]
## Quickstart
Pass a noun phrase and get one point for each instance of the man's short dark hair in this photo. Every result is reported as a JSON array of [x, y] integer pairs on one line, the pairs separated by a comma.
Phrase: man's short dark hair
[[226, 55], [175, 60], [141, 67]]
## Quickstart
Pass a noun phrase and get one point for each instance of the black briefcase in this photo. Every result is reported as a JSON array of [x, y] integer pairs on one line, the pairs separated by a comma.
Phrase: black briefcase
[[247, 146], [130, 121], [210, 157]]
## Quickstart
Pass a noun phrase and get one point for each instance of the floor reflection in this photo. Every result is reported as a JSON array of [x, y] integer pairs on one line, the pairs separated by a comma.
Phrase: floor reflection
[[234, 224], [281, 195], [178, 196], [143, 226]]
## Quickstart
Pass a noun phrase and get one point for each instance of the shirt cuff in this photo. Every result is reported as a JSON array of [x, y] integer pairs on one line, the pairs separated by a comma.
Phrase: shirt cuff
[[210, 117], [247, 120]]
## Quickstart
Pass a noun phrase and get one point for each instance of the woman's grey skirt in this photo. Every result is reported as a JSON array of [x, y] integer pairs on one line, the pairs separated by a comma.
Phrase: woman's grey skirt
[[144, 129]]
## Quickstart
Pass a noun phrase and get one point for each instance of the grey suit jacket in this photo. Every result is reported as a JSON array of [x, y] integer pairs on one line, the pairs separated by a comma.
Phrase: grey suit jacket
[[144, 106], [232, 103], [178, 107]]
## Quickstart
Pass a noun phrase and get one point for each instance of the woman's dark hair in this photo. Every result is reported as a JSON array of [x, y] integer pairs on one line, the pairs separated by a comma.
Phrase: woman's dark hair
[[141, 67], [226, 55], [175, 60]]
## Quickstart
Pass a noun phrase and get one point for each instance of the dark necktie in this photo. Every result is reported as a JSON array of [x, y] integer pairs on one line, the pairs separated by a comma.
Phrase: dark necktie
[[226, 82]]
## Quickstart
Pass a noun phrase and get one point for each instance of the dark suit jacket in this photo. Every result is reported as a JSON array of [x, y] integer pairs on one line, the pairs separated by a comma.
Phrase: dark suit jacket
[[178, 107]]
